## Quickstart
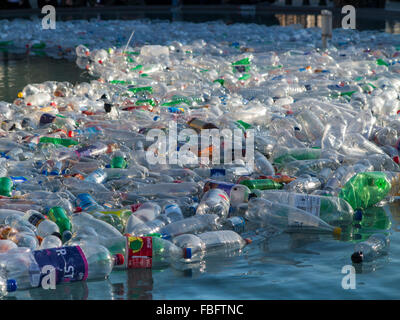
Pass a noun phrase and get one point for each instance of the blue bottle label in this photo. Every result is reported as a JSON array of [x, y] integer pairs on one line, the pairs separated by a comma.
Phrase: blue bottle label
[[217, 172], [46, 118], [210, 184], [69, 262], [84, 200]]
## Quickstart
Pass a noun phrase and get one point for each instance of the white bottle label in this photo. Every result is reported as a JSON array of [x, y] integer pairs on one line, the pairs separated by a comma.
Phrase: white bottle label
[[308, 203]]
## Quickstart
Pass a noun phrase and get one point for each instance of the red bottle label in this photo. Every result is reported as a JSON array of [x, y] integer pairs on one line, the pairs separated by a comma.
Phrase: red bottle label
[[140, 252]]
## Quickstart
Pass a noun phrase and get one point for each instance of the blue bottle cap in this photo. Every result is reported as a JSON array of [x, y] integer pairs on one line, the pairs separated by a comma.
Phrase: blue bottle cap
[[188, 253], [11, 285], [358, 215], [165, 236], [67, 235]]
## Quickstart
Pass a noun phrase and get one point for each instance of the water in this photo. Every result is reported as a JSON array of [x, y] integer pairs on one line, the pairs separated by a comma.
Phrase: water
[[18, 70], [309, 268]]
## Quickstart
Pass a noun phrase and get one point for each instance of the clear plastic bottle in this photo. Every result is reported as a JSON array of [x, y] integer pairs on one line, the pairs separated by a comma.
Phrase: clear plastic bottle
[[214, 201], [212, 242], [332, 210], [195, 224], [367, 251], [75, 263], [44, 227], [286, 218]]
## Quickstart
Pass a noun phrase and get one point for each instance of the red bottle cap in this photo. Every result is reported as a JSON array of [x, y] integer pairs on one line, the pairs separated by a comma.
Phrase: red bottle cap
[[119, 259], [396, 159], [136, 206]]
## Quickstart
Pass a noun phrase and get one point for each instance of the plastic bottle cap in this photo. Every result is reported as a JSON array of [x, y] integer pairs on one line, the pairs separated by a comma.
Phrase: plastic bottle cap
[[67, 235], [187, 253], [252, 195], [11, 285], [119, 259], [358, 214], [248, 241], [357, 257], [396, 159], [166, 236], [337, 231]]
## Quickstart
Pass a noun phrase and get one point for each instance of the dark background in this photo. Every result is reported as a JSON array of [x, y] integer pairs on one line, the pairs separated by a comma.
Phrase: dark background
[[5, 4]]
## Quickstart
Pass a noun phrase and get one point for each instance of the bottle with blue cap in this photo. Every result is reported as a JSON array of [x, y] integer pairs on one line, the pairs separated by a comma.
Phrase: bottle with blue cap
[[333, 210], [287, 218], [6, 286], [86, 261]]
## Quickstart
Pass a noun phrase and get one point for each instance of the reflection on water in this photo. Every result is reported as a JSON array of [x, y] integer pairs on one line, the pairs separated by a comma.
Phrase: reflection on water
[[19, 69], [140, 284]]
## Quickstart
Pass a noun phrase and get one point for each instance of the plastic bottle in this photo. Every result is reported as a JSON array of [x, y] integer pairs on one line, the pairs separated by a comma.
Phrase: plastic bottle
[[214, 201], [6, 185], [195, 224], [367, 251], [333, 210], [75, 263], [86, 202], [44, 227], [365, 189], [287, 218], [212, 242], [261, 184], [60, 217]]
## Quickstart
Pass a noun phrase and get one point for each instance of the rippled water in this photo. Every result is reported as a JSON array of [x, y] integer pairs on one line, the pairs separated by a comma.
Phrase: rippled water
[[286, 266]]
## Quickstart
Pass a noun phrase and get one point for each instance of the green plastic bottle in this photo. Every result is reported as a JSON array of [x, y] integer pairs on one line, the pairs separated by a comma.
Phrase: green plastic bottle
[[59, 141], [118, 161], [283, 154], [261, 184], [6, 185], [59, 216], [366, 189], [375, 219], [123, 214]]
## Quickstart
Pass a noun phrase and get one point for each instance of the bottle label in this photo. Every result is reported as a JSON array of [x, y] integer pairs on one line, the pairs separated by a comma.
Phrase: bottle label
[[227, 187], [35, 219], [84, 200], [308, 203], [89, 150], [46, 118], [140, 252], [217, 172], [70, 263]]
